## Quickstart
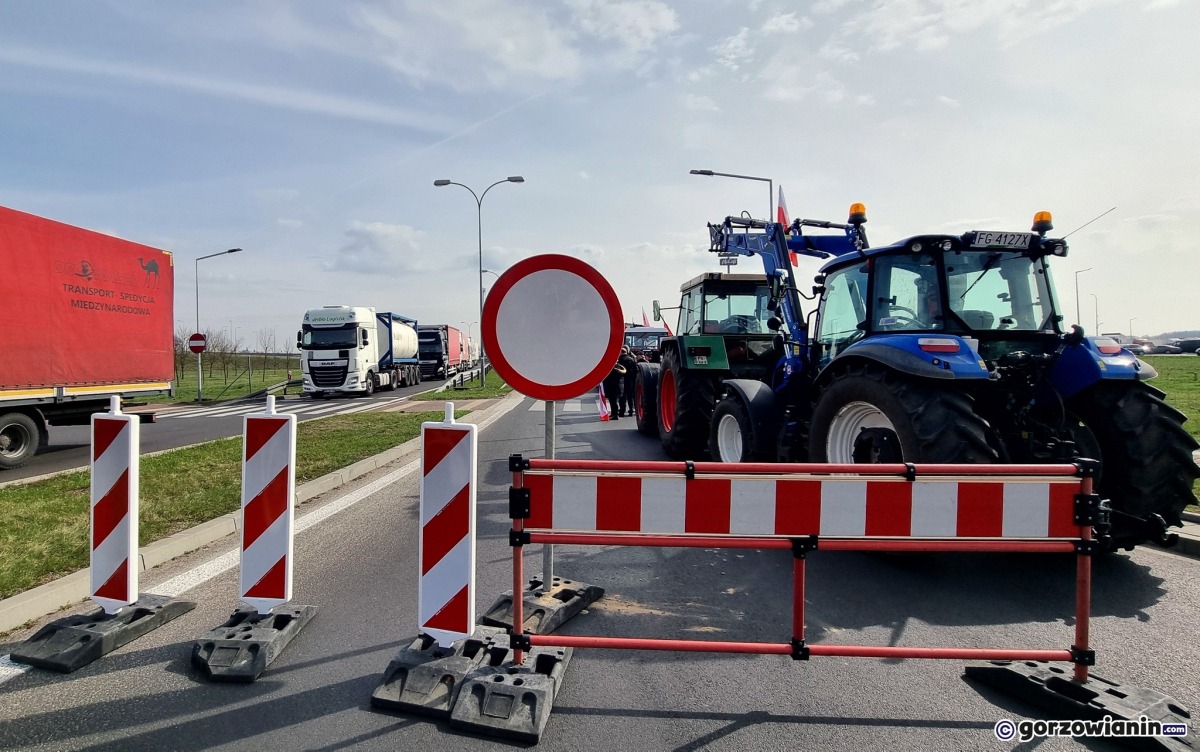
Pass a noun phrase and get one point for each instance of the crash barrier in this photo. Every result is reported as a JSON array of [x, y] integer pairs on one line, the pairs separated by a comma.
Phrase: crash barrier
[[802, 508], [72, 642], [241, 648]]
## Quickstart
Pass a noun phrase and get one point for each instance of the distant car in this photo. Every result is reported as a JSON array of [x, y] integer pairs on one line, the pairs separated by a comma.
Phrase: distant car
[[1165, 350], [1189, 345], [1137, 349]]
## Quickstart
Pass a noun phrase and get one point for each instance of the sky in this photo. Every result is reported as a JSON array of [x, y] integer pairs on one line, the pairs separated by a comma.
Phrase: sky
[[310, 134]]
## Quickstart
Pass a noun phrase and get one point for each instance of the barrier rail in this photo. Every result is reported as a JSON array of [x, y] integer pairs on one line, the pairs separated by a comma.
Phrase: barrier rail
[[803, 507]]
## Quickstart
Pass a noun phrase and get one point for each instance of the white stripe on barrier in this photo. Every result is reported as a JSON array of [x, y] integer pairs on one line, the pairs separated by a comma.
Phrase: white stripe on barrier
[[580, 513], [664, 505], [844, 508], [1026, 510], [751, 508], [934, 509]]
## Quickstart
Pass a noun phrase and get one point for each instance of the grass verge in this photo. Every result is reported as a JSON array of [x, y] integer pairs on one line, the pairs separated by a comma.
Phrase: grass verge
[[44, 525]]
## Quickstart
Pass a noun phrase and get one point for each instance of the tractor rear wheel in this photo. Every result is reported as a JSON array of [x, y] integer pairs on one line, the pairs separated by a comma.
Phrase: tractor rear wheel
[[1145, 452], [685, 405], [645, 399], [872, 415]]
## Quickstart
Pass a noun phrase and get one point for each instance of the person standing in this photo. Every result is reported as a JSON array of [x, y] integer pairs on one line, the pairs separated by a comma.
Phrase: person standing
[[628, 381], [612, 388]]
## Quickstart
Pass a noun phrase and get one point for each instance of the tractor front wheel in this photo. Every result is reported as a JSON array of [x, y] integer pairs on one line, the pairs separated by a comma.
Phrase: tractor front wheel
[[732, 438], [871, 415], [685, 404]]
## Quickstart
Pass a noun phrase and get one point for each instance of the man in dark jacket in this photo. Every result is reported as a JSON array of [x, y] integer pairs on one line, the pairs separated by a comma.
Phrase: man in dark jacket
[[612, 388], [628, 381]]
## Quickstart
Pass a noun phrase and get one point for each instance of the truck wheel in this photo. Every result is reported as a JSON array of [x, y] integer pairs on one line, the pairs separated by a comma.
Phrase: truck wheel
[[20, 437], [1145, 452], [369, 387], [394, 380], [871, 415], [732, 437], [685, 404], [645, 403]]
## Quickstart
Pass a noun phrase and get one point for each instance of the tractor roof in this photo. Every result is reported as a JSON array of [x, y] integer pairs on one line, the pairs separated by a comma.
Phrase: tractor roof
[[722, 277]]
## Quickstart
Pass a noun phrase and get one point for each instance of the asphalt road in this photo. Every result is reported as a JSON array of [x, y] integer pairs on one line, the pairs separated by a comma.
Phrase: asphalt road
[[180, 425], [359, 567]]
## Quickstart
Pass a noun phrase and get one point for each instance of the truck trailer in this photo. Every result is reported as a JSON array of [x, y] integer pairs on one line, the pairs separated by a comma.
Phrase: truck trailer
[[354, 350], [443, 350], [88, 316]]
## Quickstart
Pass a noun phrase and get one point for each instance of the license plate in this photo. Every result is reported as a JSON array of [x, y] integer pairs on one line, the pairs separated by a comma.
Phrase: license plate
[[700, 360], [1015, 240]]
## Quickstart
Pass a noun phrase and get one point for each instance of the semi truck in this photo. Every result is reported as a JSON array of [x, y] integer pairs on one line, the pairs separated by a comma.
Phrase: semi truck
[[87, 316], [356, 350], [443, 350]]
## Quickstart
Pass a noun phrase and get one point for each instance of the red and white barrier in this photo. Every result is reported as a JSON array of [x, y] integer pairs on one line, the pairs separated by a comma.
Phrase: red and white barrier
[[798, 504], [114, 508], [268, 488], [446, 589]]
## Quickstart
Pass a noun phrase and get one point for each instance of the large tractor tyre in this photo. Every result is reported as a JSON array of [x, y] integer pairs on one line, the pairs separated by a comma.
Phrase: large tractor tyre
[[872, 415], [1145, 453], [732, 435], [685, 405], [20, 437], [645, 399]]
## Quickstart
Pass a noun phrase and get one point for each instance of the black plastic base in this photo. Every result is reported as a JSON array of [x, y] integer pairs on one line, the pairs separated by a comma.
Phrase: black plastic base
[[545, 610], [241, 649], [512, 701], [1053, 689], [70, 643], [425, 678]]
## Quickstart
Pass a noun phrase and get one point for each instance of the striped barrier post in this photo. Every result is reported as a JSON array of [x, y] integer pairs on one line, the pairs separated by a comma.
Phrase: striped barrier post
[[241, 648], [446, 586], [69, 643], [116, 438], [268, 487]]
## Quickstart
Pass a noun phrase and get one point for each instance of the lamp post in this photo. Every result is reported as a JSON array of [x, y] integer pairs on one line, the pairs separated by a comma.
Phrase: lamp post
[[1078, 317], [1131, 327], [479, 218], [770, 187], [199, 364], [1096, 300], [470, 338]]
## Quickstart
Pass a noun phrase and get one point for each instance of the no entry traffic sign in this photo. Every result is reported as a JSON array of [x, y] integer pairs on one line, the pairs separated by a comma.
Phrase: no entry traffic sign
[[197, 343], [552, 327]]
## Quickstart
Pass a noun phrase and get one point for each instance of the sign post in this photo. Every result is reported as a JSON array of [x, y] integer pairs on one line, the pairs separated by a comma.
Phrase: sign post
[[558, 299], [198, 343]]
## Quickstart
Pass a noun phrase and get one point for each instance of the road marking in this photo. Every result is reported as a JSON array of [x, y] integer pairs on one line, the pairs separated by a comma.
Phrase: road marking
[[202, 573]]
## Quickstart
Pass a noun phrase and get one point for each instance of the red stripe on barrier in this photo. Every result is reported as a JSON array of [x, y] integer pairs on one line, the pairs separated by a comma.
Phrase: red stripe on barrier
[[707, 505], [797, 507], [264, 509], [889, 508], [980, 510], [259, 431], [618, 503], [1062, 511], [110, 510], [452, 617], [104, 432], [116, 587], [438, 443], [446, 529], [541, 501], [273, 584]]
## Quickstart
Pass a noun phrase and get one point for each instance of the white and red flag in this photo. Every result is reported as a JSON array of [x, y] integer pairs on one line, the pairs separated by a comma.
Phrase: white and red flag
[[781, 216], [645, 319], [602, 404]]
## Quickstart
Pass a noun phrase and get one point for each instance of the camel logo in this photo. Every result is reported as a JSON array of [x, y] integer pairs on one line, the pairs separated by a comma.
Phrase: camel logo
[[85, 271], [151, 269]]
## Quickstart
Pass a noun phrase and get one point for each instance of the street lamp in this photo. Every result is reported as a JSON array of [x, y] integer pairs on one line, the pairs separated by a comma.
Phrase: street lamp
[[1078, 317], [768, 181], [1096, 300], [469, 324], [1131, 326], [479, 217], [199, 372]]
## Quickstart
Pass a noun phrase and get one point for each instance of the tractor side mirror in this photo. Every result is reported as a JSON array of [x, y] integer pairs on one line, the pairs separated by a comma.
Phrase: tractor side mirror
[[657, 311]]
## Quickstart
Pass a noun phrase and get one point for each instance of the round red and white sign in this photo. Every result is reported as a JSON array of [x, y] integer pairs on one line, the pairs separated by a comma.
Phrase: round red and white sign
[[552, 327], [197, 343]]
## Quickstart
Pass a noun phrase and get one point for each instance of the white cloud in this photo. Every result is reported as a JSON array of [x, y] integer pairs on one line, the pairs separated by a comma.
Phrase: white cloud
[[732, 52], [637, 25], [699, 103], [377, 247], [786, 23], [949, 102]]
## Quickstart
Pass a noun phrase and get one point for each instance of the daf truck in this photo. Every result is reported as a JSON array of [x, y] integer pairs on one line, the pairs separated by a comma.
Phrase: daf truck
[[443, 350], [355, 350], [87, 316]]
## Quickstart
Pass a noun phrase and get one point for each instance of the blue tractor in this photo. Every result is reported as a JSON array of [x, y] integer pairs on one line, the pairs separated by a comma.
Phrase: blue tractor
[[935, 349]]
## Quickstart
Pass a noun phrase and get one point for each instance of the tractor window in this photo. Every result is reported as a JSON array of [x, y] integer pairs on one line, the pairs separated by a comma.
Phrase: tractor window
[[737, 312], [843, 308], [907, 293], [689, 313], [999, 291]]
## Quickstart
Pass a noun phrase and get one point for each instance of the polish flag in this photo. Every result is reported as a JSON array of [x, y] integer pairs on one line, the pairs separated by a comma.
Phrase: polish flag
[[781, 216], [645, 319], [602, 404]]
